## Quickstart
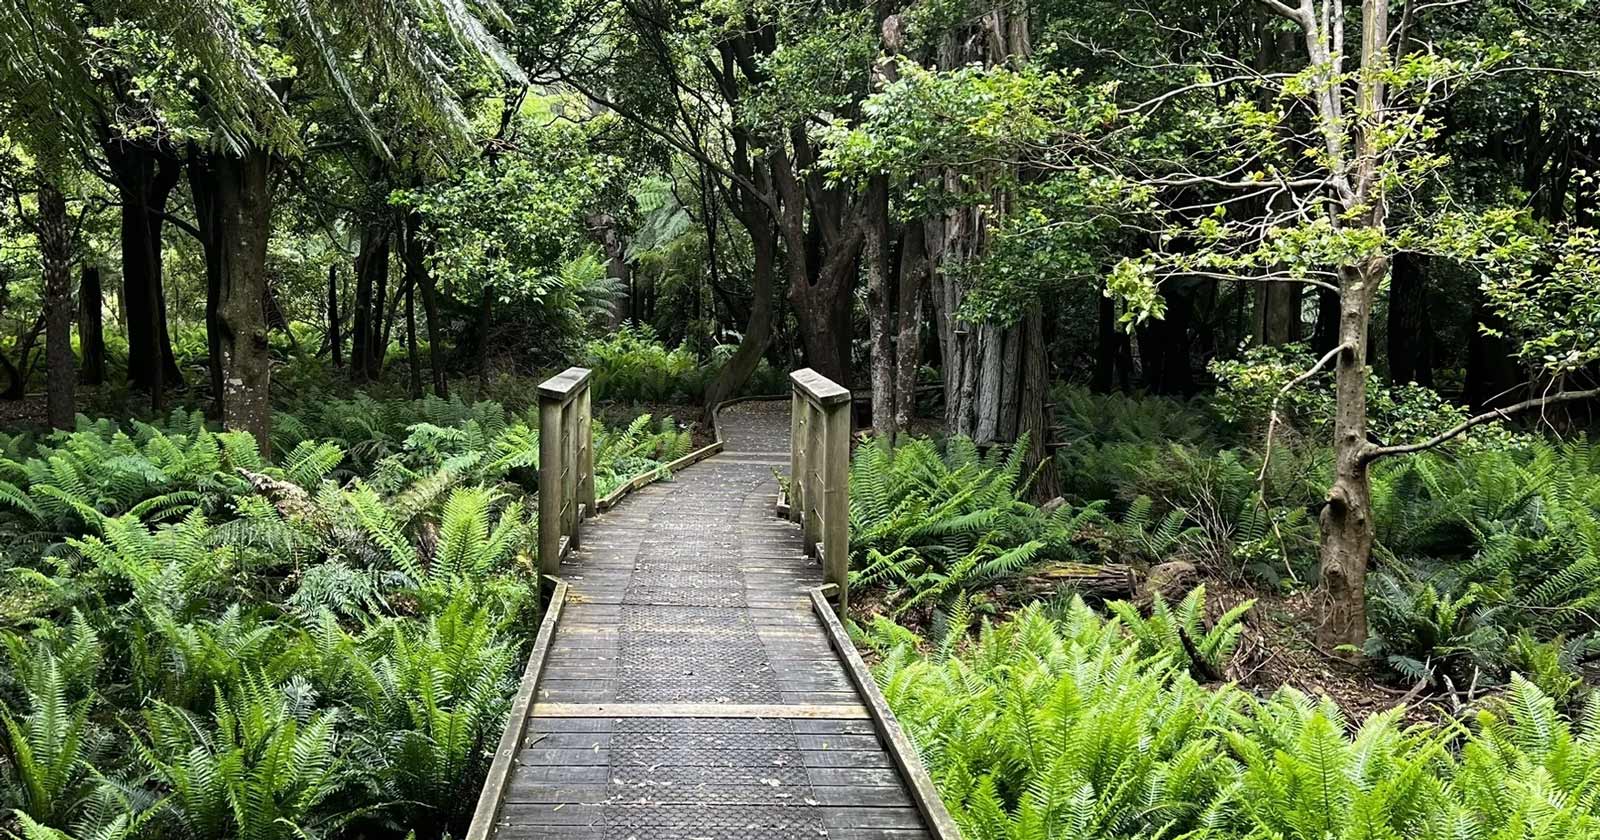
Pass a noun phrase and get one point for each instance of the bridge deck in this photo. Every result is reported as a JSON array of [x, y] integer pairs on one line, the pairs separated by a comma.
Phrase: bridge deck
[[690, 691]]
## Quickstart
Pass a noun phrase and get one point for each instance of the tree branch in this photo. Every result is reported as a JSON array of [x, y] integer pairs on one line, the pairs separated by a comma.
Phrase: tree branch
[[1272, 422], [1376, 452]]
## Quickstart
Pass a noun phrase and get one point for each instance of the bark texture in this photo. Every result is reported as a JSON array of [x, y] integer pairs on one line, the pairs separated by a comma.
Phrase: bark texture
[[91, 327], [55, 251], [243, 212]]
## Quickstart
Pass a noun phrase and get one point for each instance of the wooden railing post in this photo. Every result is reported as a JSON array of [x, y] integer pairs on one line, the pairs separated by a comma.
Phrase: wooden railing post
[[566, 463], [819, 460]]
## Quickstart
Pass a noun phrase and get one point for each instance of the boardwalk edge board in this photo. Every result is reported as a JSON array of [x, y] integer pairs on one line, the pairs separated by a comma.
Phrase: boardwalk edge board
[[494, 787], [789, 711], [924, 795]]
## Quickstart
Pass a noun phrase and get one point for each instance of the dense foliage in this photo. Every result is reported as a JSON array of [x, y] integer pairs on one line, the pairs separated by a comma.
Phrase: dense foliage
[[1060, 723], [205, 644]]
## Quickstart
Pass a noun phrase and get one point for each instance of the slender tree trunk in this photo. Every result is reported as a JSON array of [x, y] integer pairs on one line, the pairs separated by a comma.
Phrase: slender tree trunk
[[908, 343], [55, 251], [1277, 313], [1347, 526], [413, 358], [1105, 354], [378, 346], [335, 340], [244, 212], [1348, 529], [880, 306], [372, 265], [430, 308], [207, 212], [1325, 336], [91, 327], [21, 370], [485, 322]]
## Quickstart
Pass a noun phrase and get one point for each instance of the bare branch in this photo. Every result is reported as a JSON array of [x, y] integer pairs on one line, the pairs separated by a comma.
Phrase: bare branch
[[1272, 422], [1376, 452]]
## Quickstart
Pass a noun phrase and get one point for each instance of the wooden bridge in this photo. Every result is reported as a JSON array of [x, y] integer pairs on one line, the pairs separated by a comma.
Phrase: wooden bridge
[[691, 680]]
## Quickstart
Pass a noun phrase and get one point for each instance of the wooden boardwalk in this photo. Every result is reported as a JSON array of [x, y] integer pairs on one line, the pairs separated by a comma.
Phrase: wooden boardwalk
[[690, 690]]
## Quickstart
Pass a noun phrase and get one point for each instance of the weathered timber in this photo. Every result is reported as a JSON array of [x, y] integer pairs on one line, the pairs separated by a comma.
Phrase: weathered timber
[[691, 689]]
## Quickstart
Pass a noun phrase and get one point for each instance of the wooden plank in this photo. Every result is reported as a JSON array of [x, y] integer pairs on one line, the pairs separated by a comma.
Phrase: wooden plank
[[511, 739], [564, 384], [831, 711], [939, 822], [819, 388]]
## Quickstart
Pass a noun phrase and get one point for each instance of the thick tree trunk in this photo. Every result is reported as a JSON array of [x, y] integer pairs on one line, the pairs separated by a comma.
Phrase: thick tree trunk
[[244, 213], [55, 252], [335, 340], [1409, 326], [145, 180], [91, 327]]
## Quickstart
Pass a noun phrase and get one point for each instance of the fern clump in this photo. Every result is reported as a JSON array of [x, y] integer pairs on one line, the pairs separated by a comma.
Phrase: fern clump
[[207, 644], [1071, 725]]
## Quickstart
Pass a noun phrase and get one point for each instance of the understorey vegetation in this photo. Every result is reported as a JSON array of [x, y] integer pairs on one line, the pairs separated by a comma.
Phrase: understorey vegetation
[[205, 643]]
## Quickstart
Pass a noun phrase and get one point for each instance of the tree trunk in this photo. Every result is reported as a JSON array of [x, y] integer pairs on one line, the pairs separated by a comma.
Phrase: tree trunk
[[335, 340], [1493, 376], [758, 330], [880, 306], [91, 327], [372, 264], [1409, 326], [413, 358], [908, 343], [203, 188], [485, 321], [1325, 336], [55, 252], [1277, 313], [145, 180], [20, 371], [244, 215], [430, 308], [1346, 520]]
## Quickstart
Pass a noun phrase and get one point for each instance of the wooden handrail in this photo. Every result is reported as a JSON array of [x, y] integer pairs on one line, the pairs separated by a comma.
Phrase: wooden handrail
[[819, 473], [566, 464]]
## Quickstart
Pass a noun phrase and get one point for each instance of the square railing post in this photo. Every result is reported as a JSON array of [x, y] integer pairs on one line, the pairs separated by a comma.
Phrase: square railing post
[[566, 463], [549, 485], [836, 500], [819, 464], [797, 454], [585, 452]]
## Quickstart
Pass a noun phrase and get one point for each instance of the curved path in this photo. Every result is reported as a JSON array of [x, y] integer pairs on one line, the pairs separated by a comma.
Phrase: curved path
[[690, 692]]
